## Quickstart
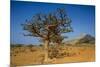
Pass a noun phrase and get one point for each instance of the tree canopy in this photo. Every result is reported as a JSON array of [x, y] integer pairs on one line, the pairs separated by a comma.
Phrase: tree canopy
[[49, 26]]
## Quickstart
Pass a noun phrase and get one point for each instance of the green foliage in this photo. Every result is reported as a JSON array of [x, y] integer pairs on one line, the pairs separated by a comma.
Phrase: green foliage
[[30, 46], [16, 45], [41, 45]]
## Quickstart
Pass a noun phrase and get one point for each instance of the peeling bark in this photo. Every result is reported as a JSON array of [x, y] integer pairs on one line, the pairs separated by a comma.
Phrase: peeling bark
[[46, 51]]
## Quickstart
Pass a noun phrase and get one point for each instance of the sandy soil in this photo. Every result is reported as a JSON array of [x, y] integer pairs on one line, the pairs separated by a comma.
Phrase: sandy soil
[[35, 55]]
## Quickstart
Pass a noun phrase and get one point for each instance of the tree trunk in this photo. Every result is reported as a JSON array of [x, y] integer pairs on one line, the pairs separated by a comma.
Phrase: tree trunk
[[46, 51]]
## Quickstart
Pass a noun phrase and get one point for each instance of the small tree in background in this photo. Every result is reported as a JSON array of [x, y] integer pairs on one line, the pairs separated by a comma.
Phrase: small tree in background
[[48, 27]]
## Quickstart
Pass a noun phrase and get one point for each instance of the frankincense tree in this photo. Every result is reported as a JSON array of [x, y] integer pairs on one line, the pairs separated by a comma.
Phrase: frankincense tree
[[49, 27]]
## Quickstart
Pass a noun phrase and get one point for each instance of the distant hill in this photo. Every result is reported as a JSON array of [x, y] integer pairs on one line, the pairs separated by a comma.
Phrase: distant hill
[[87, 39], [82, 39]]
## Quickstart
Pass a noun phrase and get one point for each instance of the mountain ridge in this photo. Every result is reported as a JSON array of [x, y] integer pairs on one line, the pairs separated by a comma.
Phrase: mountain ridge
[[86, 38]]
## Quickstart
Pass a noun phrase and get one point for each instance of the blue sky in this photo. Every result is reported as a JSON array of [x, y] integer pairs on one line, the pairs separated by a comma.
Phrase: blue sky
[[82, 16]]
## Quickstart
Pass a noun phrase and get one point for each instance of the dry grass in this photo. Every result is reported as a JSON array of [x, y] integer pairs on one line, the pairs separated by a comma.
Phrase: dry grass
[[67, 54]]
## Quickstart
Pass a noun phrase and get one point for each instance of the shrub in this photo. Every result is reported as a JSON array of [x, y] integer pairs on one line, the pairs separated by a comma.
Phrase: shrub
[[30, 46]]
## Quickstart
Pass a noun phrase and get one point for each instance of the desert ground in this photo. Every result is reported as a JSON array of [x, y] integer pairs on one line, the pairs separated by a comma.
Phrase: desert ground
[[26, 55]]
